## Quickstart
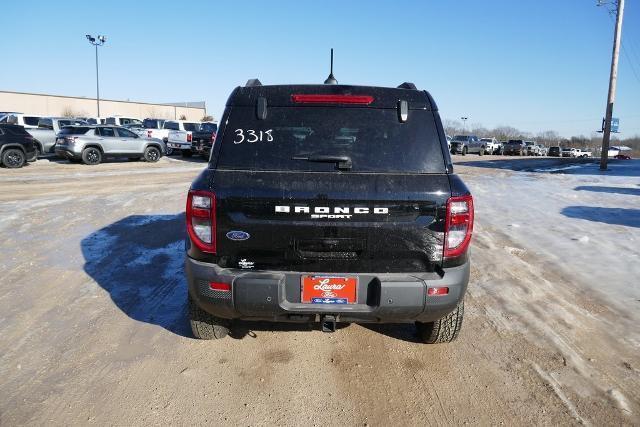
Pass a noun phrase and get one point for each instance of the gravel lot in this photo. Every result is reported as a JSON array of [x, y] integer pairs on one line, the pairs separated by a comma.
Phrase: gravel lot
[[93, 326]]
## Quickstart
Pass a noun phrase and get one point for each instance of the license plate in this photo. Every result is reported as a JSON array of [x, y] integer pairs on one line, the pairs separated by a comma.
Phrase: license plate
[[329, 289]]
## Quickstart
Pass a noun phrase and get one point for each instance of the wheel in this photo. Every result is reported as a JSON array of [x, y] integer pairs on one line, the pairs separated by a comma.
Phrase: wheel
[[186, 153], [91, 156], [205, 326], [169, 151], [13, 158], [464, 151], [152, 154], [481, 152], [38, 151], [442, 330]]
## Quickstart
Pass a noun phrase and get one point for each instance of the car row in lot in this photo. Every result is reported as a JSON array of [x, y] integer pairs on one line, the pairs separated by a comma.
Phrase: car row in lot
[[468, 144], [90, 140]]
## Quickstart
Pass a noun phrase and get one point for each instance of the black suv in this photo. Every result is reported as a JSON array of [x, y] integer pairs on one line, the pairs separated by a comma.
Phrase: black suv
[[329, 203], [16, 146]]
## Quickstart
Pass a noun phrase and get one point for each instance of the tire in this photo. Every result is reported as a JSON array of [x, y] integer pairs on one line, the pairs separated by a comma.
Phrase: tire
[[481, 152], [464, 151], [169, 151], [13, 158], [186, 153], [152, 154], [91, 156], [205, 326], [38, 151], [442, 330]]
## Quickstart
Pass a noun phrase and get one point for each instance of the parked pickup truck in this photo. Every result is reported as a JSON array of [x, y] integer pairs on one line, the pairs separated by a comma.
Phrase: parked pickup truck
[[193, 138], [515, 147], [326, 204], [25, 120], [491, 146], [582, 153], [47, 132]]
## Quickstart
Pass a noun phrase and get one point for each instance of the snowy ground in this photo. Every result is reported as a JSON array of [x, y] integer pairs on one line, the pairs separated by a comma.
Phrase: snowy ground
[[93, 326]]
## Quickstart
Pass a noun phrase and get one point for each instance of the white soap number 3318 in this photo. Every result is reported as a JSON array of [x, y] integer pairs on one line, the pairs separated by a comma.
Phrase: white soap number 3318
[[251, 136]]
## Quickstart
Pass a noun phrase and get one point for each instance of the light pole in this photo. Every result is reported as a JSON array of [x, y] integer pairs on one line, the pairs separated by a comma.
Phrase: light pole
[[99, 42], [464, 124]]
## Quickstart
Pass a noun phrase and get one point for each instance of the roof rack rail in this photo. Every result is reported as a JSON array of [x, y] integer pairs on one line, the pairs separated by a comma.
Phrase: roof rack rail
[[407, 85], [253, 82]]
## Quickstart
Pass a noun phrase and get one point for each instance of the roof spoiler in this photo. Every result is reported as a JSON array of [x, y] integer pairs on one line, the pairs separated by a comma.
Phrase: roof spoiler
[[253, 82], [407, 85]]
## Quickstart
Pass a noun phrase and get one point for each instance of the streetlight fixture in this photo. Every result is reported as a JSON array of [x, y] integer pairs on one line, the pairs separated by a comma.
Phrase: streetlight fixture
[[97, 42], [464, 124]]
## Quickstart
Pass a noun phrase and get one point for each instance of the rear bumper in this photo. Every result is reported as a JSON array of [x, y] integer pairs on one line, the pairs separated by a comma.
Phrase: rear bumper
[[179, 146], [64, 153], [275, 295]]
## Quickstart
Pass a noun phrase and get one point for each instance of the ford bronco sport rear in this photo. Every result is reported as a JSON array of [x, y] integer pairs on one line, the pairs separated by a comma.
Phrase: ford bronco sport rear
[[329, 203]]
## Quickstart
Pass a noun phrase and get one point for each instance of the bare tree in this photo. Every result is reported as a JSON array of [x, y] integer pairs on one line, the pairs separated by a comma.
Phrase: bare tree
[[207, 119], [452, 127], [182, 117], [505, 133]]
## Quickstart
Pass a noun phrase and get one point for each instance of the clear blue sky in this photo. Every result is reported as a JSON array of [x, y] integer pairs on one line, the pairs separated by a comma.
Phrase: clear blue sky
[[532, 64]]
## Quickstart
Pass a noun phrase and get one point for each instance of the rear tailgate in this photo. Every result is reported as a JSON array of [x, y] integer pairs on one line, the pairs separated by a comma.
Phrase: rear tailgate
[[330, 222]]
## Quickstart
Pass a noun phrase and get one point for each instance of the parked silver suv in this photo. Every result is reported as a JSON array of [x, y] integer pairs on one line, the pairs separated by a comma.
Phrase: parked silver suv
[[90, 144]]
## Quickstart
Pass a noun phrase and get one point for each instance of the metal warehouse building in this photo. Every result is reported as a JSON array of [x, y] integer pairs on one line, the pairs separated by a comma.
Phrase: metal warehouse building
[[55, 105]]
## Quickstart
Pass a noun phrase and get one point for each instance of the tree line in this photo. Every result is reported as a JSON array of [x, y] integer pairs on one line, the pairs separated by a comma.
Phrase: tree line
[[547, 137]]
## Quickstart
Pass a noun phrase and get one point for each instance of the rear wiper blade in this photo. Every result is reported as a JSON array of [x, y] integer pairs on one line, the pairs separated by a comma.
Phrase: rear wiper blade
[[343, 162]]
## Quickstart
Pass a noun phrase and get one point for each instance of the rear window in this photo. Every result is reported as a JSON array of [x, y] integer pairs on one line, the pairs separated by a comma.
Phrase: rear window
[[31, 120], [74, 130], [152, 124], [373, 139], [208, 127], [171, 125], [45, 124], [110, 121], [193, 127]]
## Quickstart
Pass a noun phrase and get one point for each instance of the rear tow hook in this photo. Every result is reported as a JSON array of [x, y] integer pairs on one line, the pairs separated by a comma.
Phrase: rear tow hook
[[328, 323]]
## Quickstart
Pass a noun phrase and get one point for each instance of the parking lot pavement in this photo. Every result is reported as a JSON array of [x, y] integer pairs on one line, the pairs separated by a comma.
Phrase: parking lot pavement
[[93, 328]]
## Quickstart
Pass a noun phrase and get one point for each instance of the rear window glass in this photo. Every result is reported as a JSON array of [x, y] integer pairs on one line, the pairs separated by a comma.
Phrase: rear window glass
[[110, 121], [171, 125], [152, 124], [208, 127], [45, 124], [31, 120], [73, 130], [193, 127], [373, 139]]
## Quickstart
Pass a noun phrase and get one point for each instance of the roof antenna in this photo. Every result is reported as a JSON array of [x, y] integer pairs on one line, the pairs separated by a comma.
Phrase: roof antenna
[[331, 80]]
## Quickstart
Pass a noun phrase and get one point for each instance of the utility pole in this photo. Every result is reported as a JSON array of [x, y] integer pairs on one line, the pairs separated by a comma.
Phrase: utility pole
[[464, 124], [606, 137], [99, 42]]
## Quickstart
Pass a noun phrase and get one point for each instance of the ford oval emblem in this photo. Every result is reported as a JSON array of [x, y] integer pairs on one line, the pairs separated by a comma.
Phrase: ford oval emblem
[[238, 235]]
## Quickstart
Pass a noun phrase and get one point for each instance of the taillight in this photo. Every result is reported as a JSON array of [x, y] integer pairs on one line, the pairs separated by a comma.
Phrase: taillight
[[333, 99], [220, 286], [189, 137], [149, 134], [458, 225], [213, 137], [201, 220]]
